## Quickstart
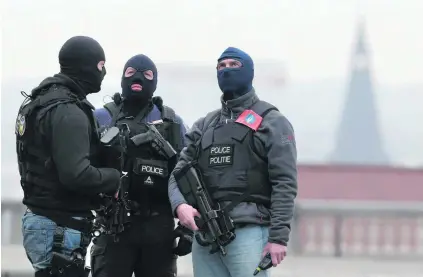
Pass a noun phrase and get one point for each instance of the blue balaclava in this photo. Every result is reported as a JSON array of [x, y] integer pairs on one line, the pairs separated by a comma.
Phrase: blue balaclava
[[235, 82], [141, 63]]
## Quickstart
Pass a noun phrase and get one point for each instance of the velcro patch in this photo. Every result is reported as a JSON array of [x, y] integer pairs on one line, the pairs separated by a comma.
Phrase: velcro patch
[[250, 119], [153, 170], [221, 154]]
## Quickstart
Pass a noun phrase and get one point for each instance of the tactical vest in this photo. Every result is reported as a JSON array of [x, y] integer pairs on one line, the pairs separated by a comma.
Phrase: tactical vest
[[228, 161], [35, 163], [148, 171]]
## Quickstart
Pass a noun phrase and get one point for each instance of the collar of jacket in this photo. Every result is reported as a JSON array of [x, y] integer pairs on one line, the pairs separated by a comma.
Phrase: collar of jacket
[[236, 106]]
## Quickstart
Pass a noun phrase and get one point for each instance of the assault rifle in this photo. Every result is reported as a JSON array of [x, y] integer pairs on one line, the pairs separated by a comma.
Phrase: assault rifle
[[116, 213], [156, 140], [216, 227]]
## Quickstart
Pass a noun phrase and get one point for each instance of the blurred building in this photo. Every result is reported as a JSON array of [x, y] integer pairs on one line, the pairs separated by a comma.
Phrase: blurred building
[[359, 140], [374, 207]]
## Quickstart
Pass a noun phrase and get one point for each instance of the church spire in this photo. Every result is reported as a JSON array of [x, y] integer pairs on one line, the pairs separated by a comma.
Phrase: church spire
[[359, 140]]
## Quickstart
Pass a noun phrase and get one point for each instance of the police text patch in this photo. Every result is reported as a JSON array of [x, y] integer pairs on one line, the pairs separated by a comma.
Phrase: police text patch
[[153, 170], [221, 154]]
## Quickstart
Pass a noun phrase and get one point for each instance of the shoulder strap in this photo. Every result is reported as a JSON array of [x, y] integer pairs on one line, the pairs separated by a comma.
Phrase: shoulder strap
[[114, 111], [210, 118], [112, 108], [168, 114], [53, 97], [262, 108]]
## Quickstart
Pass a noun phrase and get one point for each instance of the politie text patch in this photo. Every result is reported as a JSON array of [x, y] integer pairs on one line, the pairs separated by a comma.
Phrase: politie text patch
[[250, 119], [221, 154]]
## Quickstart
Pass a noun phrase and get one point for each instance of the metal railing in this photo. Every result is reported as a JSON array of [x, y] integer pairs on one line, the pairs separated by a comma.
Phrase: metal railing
[[321, 228], [358, 228]]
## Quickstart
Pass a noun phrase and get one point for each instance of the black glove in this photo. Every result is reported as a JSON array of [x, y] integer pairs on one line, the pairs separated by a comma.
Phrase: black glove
[[185, 236]]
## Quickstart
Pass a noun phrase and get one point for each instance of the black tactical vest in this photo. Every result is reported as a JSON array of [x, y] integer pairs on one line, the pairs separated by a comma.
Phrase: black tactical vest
[[36, 166], [228, 161], [148, 171]]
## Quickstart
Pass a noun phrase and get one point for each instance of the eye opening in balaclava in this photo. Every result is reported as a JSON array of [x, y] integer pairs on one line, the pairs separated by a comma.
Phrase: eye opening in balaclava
[[228, 63], [235, 81], [139, 79], [101, 67], [82, 59], [130, 71]]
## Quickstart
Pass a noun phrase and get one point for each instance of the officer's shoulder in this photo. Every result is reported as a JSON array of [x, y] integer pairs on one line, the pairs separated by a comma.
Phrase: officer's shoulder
[[275, 115], [171, 114], [178, 119], [168, 113], [276, 119], [68, 111], [68, 115], [100, 111], [210, 116], [109, 105], [207, 119], [110, 108]]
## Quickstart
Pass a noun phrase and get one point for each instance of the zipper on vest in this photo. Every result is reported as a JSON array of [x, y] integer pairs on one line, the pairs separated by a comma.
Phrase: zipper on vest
[[232, 114]]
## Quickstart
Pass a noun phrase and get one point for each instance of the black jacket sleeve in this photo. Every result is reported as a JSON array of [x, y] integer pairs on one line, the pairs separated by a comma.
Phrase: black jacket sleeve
[[280, 148], [70, 146]]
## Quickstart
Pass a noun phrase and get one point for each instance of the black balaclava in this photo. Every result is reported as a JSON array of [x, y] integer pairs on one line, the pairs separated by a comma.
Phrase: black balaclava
[[235, 82], [78, 60], [140, 63]]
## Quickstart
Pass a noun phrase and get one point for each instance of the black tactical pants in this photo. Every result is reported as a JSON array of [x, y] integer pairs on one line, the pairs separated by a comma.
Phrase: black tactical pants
[[144, 249]]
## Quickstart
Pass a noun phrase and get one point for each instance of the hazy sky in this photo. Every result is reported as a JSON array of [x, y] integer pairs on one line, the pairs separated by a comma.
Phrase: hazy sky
[[313, 37]]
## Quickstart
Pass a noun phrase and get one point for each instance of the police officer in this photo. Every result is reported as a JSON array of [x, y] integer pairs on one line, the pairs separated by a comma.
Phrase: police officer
[[56, 142], [146, 247], [246, 148]]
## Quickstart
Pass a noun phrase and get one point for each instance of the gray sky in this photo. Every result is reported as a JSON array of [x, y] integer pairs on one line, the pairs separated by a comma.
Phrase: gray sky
[[312, 36]]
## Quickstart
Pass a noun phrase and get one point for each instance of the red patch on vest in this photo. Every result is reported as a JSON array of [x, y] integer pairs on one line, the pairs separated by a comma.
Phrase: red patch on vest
[[250, 119]]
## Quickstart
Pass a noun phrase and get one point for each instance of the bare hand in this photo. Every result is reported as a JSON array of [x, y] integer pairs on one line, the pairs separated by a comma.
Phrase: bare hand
[[277, 252], [186, 214]]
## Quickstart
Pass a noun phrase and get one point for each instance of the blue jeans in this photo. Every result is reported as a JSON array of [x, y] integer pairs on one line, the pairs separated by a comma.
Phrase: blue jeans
[[38, 232], [243, 255]]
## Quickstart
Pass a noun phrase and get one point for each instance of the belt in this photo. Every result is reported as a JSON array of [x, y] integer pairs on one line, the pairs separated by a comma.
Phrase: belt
[[82, 224]]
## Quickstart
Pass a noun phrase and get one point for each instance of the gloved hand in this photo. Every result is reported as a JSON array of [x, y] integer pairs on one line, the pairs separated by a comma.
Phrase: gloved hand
[[185, 236]]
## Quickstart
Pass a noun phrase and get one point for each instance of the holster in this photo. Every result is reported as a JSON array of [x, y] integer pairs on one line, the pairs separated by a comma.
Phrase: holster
[[61, 266]]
